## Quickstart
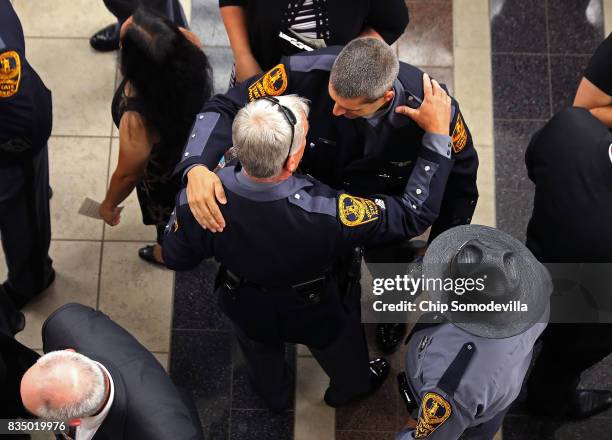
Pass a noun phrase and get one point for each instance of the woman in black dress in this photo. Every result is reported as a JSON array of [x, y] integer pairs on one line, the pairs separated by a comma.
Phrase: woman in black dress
[[166, 79]]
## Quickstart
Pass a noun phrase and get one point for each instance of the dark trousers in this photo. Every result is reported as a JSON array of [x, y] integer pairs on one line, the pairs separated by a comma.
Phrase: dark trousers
[[172, 9], [25, 226], [567, 350], [345, 361]]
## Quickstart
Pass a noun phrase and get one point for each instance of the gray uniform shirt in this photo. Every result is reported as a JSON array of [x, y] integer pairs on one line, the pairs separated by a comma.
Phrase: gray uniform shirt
[[491, 382]]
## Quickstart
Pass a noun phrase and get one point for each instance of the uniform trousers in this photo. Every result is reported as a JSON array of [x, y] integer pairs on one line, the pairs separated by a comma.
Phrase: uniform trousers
[[345, 361], [567, 351], [25, 226]]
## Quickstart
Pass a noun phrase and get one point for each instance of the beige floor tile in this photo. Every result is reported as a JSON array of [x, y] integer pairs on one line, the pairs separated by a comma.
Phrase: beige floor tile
[[82, 83], [607, 6], [131, 226], [78, 169], [3, 269], [499, 435], [62, 18], [485, 208], [314, 420], [186, 4], [474, 93], [137, 295], [163, 359], [76, 264], [302, 350], [471, 23]]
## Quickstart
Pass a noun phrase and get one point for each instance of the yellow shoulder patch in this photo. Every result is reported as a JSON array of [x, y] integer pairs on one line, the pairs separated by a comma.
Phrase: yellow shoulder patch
[[435, 410], [355, 211], [272, 83], [460, 136], [10, 73]]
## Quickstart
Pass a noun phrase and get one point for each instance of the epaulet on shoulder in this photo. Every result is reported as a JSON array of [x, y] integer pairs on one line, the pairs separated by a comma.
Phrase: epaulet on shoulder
[[322, 59], [316, 204]]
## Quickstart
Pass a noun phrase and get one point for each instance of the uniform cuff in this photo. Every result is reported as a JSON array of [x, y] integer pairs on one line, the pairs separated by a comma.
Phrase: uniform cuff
[[438, 143], [184, 179]]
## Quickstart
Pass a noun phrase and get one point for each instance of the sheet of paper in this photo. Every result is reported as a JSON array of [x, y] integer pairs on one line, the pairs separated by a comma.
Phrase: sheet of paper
[[91, 208]]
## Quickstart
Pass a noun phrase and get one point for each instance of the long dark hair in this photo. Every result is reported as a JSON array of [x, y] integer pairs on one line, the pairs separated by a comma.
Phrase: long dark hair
[[171, 76]]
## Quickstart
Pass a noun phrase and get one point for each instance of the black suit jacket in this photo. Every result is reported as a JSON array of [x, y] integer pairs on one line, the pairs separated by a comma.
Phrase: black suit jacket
[[147, 405]]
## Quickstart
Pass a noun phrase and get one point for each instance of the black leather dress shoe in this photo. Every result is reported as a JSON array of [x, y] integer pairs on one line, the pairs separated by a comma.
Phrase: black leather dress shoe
[[379, 370], [389, 336], [20, 301], [106, 39], [587, 403], [148, 254]]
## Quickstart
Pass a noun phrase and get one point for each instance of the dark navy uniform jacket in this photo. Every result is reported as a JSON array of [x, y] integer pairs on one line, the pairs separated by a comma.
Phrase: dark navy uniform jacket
[[25, 102], [357, 155], [291, 232]]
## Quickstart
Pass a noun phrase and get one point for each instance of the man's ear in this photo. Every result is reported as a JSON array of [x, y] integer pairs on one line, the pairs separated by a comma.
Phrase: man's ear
[[389, 95], [292, 163]]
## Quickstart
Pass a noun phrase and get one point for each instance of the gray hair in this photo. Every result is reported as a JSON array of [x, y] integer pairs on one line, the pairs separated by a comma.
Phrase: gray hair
[[89, 385], [365, 68], [262, 135]]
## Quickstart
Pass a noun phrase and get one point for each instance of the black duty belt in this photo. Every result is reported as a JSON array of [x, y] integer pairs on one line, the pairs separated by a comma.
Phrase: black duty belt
[[310, 288]]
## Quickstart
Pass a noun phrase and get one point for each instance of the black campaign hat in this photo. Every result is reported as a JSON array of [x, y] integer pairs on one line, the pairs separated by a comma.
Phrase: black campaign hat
[[514, 288]]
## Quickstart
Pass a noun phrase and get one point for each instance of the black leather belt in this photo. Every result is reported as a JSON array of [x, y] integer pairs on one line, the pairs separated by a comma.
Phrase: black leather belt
[[311, 288]]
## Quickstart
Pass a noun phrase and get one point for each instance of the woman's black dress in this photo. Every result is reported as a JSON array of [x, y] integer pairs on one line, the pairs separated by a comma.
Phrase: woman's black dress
[[158, 187]]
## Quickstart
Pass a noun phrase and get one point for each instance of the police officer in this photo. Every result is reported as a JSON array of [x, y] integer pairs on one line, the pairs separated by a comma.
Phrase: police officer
[[25, 127], [284, 236], [570, 163], [464, 369], [358, 141], [107, 38]]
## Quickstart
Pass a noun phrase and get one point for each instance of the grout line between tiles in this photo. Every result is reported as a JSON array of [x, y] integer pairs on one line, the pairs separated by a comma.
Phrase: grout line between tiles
[[550, 93], [542, 54]]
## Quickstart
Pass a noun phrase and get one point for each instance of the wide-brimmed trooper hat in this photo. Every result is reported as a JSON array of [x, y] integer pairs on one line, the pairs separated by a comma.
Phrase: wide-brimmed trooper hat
[[511, 276]]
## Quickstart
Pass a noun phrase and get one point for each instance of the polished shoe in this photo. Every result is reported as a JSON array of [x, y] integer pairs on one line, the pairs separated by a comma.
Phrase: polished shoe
[[148, 254], [9, 313], [389, 336], [587, 403], [106, 39], [379, 370], [20, 301]]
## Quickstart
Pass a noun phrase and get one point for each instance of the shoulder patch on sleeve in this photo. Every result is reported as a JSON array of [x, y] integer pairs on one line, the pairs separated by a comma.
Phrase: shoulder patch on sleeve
[[10, 73], [459, 134], [272, 83], [435, 411], [355, 211]]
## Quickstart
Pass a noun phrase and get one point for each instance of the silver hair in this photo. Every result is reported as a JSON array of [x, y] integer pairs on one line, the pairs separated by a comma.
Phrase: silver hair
[[261, 134], [365, 68], [89, 385]]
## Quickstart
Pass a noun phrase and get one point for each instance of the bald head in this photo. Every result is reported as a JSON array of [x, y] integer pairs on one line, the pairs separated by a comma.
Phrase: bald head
[[63, 385]]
